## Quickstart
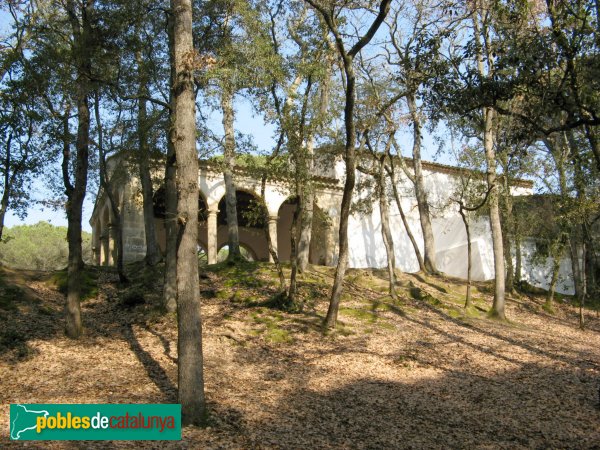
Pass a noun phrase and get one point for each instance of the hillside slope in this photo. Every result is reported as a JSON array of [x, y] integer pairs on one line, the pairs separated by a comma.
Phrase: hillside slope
[[414, 373]]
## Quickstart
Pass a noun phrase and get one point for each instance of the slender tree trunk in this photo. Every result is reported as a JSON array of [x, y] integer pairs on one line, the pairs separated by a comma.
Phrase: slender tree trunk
[[3, 214], [590, 133], [171, 225], [575, 268], [518, 254], [420, 189], [579, 275], [553, 281], [293, 290], [386, 233], [272, 252], [490, 156], [403, 217], [583, 287], [349, 159], [7, 187], [508, 220], [306, 219], [153, 255], [309, 190], [229, 166], [578, 242], [120, 250], [76, 192], [469, 255], [189, 344], [350, 146], [107, 186]]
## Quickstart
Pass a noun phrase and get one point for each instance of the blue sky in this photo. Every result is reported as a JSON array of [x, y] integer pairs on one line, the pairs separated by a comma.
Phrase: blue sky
[[246, 123]]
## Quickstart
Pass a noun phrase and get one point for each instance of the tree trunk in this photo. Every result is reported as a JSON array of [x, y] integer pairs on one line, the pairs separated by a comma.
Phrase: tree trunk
[[171, 225], [518, 254], [386, 233], [583, 287], [294, 252], [482, 54], [403, 217], [153, 255], [229, 165], [508, 221], [272, 252], [490, 156], [189, 344], [306, 219], [107, 186], [420, 189], [349, 159], [350, 147], [469, 253], [553, 281], [76, 192], [7, 187]]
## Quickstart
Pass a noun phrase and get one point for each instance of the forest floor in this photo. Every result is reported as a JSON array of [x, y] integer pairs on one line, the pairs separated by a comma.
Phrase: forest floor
[[414, 373]]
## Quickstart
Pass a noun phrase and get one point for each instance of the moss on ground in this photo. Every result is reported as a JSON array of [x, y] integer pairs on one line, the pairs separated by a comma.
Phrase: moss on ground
[[270, 327], [89, 282]]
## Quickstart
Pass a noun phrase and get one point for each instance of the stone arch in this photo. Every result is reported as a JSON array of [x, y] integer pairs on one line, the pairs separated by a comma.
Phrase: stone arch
[[105, 244], [251, 224], [247, 253], [159, 207], [202, 251], [319, 239]]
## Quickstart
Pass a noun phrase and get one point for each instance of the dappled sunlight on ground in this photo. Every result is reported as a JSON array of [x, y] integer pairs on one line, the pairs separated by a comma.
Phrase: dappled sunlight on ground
[[417, 372]]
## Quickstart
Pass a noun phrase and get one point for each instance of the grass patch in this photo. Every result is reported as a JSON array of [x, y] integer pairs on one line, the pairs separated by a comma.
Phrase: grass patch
[[433, 301], [548, 308], [369, 317], [472, 312], [278, 336], [271, 329], [9, 295], [455, 313], [89, 284], [359, 314]]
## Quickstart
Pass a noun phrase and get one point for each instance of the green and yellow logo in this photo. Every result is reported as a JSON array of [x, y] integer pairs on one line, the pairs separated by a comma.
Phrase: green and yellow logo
[[95, 422]]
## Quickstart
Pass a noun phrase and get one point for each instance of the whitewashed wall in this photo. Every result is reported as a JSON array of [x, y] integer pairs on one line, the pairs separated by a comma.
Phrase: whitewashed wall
[[367, 248]]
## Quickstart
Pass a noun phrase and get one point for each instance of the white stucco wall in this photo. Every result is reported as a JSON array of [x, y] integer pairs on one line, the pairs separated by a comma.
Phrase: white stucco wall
[[366, 248], [540, 273]]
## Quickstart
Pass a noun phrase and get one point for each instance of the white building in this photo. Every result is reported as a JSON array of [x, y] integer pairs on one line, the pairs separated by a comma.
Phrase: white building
[[366, 247]]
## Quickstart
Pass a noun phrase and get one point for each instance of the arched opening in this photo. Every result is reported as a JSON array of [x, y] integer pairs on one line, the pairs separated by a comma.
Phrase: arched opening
[[105, 238], [245, 251], [159, 207], [251, 223], [202, 255], [248, 207], [318, 247]]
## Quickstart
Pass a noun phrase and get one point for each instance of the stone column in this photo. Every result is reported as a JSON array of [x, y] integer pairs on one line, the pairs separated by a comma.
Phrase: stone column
[[104, 251], [112, 245], [273, 233], [211, 236]]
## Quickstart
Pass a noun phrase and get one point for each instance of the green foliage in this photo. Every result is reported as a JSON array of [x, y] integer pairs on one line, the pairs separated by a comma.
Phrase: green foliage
[[9, 295], [39, 247], [89, 284]]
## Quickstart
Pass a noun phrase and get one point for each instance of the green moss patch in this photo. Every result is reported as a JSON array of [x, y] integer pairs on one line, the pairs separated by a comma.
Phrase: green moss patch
[[89, 284]]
